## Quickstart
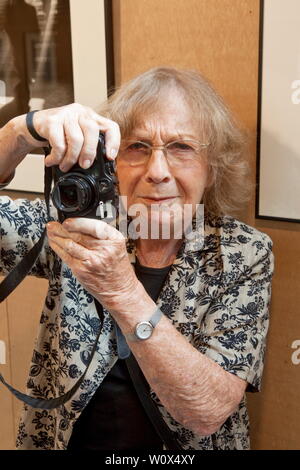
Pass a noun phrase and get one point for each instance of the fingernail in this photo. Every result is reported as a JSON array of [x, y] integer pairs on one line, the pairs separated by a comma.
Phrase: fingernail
[[86, 164]]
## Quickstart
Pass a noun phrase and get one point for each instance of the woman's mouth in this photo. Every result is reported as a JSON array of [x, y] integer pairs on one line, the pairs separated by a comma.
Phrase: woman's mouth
[[158, 199]]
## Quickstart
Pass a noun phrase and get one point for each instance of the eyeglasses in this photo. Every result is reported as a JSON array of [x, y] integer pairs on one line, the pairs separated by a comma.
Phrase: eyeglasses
[[178, 153]]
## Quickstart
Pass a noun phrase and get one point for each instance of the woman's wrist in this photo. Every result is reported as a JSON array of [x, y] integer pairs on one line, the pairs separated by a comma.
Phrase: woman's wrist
[[25, 141], [128, 308], [13, 148], [16, 143]]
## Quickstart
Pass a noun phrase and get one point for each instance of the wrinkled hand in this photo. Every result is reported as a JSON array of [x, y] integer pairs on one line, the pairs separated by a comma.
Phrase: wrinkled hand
[[96, 253], [73, 132]]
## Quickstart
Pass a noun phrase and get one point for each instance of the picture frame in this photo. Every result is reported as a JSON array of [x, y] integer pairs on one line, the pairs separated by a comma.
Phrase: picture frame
[[278, 119], [92, 72]]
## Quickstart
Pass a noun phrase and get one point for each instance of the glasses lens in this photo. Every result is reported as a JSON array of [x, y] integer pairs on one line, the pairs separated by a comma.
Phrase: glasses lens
[[135, 153], [182, 152]]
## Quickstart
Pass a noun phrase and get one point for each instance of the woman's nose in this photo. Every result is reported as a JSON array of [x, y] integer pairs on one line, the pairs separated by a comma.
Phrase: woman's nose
[[157, 169]]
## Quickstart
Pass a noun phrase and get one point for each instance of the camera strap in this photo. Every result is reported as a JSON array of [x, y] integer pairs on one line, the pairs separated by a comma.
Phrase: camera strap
[[12, 280], [151, 409], [16, 276]]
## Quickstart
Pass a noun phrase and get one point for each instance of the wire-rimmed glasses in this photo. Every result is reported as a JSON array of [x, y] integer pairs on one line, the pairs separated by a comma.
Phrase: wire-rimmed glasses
[[178, 153]]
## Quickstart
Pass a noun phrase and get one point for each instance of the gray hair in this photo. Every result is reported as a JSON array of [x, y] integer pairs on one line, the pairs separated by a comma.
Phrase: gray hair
[[226, 154]]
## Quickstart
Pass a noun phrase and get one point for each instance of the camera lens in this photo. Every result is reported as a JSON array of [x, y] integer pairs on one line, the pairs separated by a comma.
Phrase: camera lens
[[68, 195], [73, 193]]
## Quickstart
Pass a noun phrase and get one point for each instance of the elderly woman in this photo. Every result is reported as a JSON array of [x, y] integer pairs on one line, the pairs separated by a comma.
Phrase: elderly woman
[[208, 303]]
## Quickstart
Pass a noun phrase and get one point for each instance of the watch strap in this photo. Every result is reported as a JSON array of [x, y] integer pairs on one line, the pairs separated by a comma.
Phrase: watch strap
[[153, 321], [156, 317]]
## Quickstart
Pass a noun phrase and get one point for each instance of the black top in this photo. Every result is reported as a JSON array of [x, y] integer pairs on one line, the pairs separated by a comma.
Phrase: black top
[[114, 419]]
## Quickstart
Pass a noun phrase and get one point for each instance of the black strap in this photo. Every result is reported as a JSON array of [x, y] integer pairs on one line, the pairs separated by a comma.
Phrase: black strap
[[30, 127], [142, 389], [52, 403], [16, 276], [12, 280]]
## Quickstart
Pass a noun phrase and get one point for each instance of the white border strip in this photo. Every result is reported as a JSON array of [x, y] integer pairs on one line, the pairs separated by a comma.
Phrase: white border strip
[[88, 52]]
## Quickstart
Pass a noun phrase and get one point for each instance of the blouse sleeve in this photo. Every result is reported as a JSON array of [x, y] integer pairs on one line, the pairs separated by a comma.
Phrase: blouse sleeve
[[233, 332], [21, 225]]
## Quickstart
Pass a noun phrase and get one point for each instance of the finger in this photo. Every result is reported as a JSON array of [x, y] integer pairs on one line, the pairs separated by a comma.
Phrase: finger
[[70, 228], [56, 230], [60, 252], [112, 135], [81, 267], [95, 228], [67, 249], [74, 139], [90, 131], [57, 142]]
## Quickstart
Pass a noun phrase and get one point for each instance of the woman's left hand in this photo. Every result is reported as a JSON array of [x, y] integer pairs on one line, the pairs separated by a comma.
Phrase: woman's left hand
[[96, 253]]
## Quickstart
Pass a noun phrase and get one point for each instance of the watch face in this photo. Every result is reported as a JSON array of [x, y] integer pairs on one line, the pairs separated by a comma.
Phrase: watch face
[[143, 330]]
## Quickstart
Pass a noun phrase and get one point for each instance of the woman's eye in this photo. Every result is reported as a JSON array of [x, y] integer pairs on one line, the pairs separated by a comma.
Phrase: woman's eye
[[137, 146], [180, 146]]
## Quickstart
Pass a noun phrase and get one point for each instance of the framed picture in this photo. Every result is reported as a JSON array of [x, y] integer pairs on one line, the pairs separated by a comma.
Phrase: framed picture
[[40, 63], [62, 54], [278, 144]]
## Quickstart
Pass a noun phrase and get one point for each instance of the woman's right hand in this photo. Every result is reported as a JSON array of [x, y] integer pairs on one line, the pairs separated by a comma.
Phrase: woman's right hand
[[73, 133]]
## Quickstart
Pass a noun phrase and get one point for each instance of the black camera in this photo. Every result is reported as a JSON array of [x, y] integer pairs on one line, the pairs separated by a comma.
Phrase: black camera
[[86, 193]]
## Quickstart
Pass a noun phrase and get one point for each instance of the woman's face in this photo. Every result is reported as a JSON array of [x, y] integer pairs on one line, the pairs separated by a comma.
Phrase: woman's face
[[156, 185]]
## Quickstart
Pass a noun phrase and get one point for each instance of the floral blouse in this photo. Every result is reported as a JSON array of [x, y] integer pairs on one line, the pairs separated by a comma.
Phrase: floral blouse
[[217, 296]]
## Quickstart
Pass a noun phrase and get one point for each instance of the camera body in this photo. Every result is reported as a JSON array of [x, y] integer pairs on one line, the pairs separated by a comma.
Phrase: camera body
[[86, 193]]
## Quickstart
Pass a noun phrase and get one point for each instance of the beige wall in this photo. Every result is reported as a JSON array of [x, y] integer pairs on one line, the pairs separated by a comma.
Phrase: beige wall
[[6, 400], [19, 321], [220, 38]]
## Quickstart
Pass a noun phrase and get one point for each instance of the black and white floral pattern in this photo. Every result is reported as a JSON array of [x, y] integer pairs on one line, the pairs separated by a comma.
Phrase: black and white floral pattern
[[218, 297]]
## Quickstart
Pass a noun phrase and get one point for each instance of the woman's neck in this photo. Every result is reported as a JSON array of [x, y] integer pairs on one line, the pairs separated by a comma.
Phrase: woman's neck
[[157, 253]]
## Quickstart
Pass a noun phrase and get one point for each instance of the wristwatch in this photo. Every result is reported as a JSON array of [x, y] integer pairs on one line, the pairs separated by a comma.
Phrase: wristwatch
[[144, 329]]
